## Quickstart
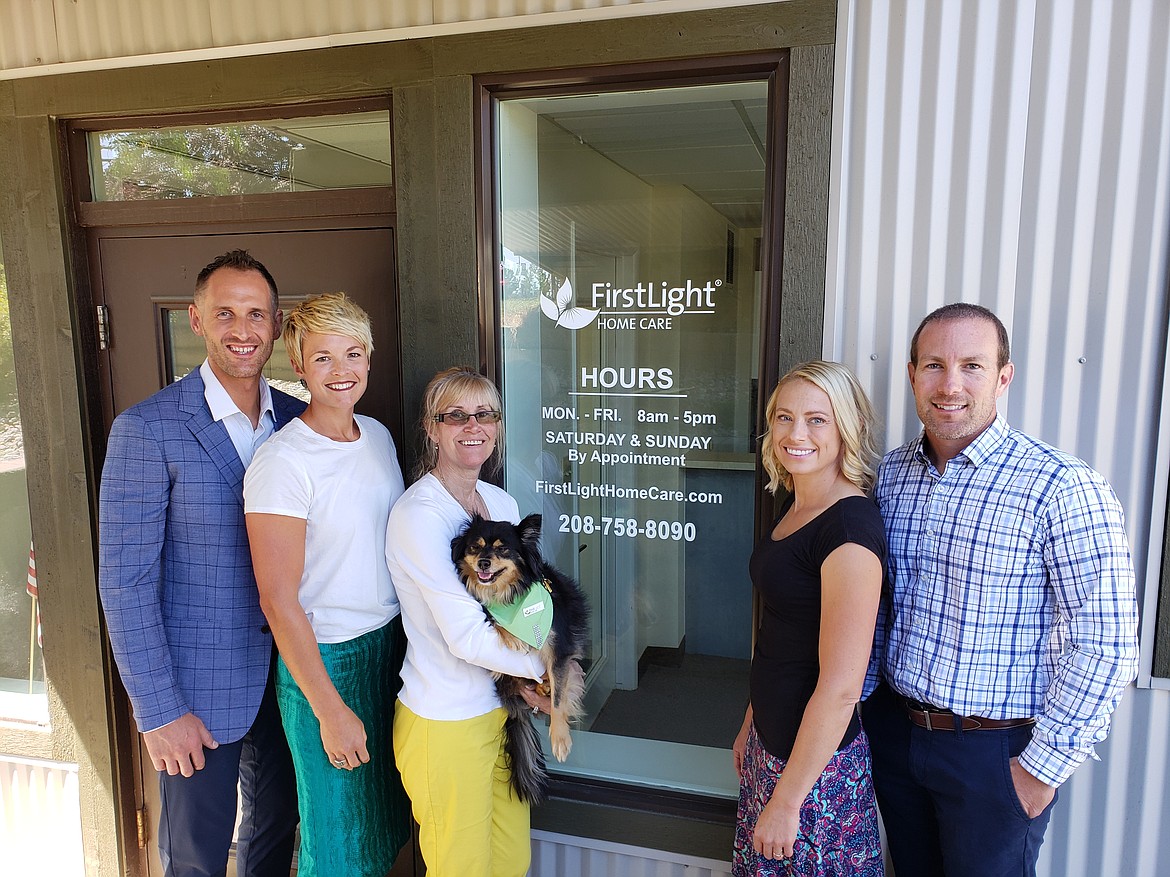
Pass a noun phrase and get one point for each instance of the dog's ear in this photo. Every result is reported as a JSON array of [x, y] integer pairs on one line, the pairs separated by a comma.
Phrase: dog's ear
[[530, 531], [459, 543]]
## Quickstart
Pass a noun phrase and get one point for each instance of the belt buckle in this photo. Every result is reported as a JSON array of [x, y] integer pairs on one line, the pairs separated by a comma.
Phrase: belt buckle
[[926, 715]]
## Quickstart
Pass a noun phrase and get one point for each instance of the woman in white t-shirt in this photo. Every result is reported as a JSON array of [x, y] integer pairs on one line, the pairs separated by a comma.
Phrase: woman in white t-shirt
[[448, 724], [317, 497]]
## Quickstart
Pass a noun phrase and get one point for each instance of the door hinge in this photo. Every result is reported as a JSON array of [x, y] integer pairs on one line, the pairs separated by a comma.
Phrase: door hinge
[[103, 327], [140, 816]]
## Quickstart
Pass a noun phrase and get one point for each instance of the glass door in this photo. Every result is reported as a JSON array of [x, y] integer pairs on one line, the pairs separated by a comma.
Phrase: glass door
[[628, 226]]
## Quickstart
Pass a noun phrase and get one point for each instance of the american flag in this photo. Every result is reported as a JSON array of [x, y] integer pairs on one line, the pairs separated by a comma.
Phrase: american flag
[[32, 572], [31, 587]]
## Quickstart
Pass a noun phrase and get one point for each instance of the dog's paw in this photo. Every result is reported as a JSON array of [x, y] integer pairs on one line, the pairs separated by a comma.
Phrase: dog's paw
[[562, 744]]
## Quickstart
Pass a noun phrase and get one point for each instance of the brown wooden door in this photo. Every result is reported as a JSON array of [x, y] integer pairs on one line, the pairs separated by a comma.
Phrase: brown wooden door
[[145, 280]]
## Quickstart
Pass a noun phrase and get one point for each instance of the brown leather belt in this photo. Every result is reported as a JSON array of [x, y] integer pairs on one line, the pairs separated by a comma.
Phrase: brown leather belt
[[934, 719]]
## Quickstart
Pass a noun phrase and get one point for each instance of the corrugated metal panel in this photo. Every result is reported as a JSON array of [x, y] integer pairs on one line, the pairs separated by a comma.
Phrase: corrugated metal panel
[[558, 855], [471, 10], [40, 818], [1017, 154], [111, 28], [28, 36], [86, 34], [267, 21]]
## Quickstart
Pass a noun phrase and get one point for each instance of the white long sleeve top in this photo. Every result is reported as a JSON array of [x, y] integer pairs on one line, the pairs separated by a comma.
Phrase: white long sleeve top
[[451, 649]]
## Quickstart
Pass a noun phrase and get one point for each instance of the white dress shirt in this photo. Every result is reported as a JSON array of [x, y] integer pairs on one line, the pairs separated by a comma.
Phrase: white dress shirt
[[236, 422]]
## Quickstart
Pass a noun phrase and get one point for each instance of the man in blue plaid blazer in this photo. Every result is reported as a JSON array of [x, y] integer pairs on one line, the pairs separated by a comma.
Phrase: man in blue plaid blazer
[[181, 605]]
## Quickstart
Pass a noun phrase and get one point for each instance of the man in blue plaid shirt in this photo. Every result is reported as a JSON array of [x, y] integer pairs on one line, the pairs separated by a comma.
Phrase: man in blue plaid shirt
[[1012, 628]]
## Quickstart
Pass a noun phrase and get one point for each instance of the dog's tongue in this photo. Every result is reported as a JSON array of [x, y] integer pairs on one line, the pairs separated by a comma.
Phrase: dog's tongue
[[484, 575]]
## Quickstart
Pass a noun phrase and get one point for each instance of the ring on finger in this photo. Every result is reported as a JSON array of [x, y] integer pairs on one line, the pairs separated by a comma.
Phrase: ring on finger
[[340, 762]]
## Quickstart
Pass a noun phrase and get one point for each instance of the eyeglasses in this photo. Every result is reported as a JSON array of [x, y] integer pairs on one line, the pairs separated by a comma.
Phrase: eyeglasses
[[459, 418]]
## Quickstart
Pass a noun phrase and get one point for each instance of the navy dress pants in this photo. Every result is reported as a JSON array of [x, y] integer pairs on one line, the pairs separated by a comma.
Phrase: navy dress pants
[[946, 797], [198, 813]]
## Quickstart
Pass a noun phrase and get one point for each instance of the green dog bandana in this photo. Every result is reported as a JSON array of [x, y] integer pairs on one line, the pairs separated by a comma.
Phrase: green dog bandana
[[528, 618]]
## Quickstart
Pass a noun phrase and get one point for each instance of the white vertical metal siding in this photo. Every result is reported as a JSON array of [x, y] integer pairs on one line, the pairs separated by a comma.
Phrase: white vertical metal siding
[[558, 855], [1017, 154], [40, 818]]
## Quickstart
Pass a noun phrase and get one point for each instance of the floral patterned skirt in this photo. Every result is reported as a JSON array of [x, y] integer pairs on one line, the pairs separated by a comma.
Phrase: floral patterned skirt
[[838, 833]]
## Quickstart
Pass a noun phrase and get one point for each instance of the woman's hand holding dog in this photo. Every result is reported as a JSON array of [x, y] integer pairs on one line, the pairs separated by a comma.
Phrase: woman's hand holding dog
[[343, 736], [540, 703]]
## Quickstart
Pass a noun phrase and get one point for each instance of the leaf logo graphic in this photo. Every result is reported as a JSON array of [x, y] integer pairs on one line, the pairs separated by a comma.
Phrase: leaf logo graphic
[[563, 312]]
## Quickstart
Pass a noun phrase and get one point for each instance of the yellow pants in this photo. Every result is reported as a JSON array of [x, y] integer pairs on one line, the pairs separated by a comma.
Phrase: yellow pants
[[470, 822]]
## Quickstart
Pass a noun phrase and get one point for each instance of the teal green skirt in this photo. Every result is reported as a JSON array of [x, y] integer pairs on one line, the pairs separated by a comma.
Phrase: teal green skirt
[[353, 822]]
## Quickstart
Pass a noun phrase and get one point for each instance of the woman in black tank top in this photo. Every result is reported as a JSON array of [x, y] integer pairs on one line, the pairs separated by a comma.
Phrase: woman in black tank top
[[806, 794]]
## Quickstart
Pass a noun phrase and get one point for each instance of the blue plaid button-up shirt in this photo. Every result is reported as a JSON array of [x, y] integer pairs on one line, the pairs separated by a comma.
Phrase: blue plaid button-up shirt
[[1012, 591]]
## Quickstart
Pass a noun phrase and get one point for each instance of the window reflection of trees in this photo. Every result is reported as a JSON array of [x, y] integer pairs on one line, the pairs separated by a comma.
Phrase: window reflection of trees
[[21, 668], [239, 158], [213, 160], [11, 443]]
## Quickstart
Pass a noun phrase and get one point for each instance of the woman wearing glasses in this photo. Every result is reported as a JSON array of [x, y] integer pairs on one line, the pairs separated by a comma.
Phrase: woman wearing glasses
[[448, 723]]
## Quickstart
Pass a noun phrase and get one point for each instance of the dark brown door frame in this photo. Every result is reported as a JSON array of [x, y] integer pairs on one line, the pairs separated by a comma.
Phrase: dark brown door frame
[[772, 67], [91, 220]]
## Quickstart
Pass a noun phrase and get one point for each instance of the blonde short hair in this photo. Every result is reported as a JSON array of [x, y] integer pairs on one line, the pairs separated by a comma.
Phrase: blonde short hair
[[853, 413], [444, 390], [331, 313]]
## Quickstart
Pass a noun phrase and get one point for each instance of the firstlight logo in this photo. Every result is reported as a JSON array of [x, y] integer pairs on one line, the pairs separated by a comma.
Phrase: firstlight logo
[[564, 312], [645, 306]]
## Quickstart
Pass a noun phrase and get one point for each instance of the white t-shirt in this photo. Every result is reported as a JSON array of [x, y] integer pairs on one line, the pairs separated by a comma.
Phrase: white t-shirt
[[450, 647], [343, 491]]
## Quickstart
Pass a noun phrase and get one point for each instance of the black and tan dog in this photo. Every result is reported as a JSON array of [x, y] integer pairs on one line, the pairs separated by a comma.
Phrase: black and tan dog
[[500, 564]]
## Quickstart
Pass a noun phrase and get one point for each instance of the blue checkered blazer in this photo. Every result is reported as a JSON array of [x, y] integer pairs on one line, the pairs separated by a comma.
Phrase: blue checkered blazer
[[175, 573]]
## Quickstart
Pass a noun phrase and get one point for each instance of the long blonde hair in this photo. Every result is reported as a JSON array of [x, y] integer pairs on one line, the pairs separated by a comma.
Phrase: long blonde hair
[[853, 413]]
